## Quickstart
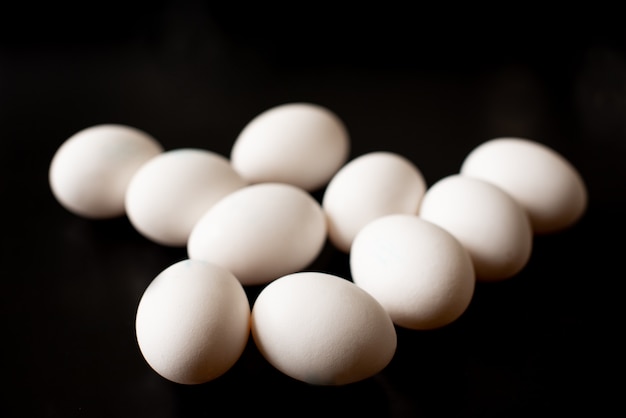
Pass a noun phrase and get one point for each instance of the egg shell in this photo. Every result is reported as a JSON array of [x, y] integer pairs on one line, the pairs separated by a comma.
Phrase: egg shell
[[193, 322], [367, 187], [418, 271], [260, 232], [547, 185], [302, 144], [90, 171], [489, 223], [322, 329], [168, 194]]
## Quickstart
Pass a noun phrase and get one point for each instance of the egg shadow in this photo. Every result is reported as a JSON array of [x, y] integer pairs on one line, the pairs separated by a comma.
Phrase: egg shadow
[[253, 386]]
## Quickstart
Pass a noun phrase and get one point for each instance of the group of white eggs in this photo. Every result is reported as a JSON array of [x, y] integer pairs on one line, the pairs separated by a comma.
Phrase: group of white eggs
[[415, 252]]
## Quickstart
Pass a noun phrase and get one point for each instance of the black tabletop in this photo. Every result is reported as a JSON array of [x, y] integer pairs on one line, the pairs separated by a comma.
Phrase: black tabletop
[[430, 85]]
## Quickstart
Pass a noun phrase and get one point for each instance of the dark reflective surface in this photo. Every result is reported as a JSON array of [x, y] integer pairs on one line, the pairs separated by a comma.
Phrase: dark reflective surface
[[426, 85]]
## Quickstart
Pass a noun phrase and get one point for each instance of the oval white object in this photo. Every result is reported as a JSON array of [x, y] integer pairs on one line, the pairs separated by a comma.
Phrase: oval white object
[[367, 187], [322, 329], [418, 271], [193, 322], [169, 193], [260, 232], [90, 171], [548, 186], [489, 223], [302, 144]]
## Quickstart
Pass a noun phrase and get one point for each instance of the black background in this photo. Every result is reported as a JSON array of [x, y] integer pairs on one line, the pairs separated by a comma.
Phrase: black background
[[428, 83]]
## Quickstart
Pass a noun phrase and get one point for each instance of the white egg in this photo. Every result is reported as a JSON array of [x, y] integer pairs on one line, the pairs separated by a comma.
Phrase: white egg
[[167, 195], [367, 187], [419, 272], [260, 232], [90, 171], [321, 329], [489, 223], [302, 144], [193, 322], [547, 185]]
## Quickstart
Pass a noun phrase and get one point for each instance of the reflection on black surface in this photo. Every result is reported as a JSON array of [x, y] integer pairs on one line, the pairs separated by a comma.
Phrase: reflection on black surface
[[253, 385]]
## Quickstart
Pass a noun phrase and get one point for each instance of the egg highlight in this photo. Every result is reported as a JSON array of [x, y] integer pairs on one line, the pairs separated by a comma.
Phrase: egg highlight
[[322, 329], [90, 171], [168, 194], [260, 232], [302, 144], [418, 271], [548, 186], [193, 322], [369, 186], [487, 221]]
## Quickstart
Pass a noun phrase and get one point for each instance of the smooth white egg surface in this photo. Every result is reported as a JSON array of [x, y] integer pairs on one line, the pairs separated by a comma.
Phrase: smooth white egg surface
[[193, 322], [90, 171], [302, 144], [489, 223], [369, 186], [321, 329], [547, 185], [260, 232], [418, 271], [169, 193]]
